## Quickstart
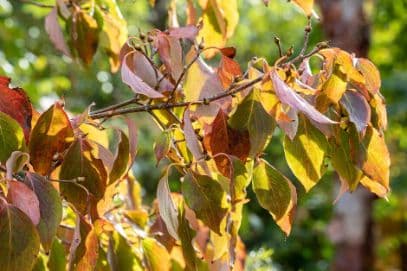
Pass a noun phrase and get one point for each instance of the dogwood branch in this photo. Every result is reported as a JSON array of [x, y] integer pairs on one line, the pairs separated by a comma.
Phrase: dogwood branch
[[164, 105]]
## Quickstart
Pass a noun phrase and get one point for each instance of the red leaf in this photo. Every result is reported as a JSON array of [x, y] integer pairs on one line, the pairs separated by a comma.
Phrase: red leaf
[[290, 97], [170, 51], [187, 32], [55, 32], [228, 70], [228, 51], [15, 103], [24, 199]]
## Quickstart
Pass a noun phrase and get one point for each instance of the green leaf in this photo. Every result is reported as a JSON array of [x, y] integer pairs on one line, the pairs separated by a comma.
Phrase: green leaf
[[250, 115], [206, 198], [122, 159], [11, 137], [342, 161], [84, 173], [19, 241], [53, 129], [120, 254], [156, 255], [57, 257], [50, 208], [275, 193], [305, 154]]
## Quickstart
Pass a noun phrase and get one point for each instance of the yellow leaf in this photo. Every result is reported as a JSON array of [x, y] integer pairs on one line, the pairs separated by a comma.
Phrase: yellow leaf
[[306, 5]]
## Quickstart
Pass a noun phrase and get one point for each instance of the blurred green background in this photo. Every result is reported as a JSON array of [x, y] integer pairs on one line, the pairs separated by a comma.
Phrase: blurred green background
[[27, 56]]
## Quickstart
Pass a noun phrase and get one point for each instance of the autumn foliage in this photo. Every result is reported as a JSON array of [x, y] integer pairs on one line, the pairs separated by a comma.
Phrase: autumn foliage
[[66, 188]]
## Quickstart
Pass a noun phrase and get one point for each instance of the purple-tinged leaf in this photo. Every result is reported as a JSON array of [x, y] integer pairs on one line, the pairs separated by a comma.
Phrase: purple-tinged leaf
[[134, 81], [166, 205], [55, 32], [190, 137], [291, 98], [357, 108], [187, 32]]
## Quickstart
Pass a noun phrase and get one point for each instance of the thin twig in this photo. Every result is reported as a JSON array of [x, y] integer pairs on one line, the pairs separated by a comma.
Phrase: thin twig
[[119, 105], [278, 43], [161, 106], [41, 5]]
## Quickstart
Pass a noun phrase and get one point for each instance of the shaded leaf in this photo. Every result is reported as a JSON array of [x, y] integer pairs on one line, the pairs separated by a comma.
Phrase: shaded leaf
[[19, 241], [170, 52], [251, 116], [221, 138], [54, 32], [275, 193], [122, 158], [84, 34], [291, 98], [16, 162], [50, 205], [15, 103], [357, 108], [131, 78], [80, 163], [156, 255], [162, 146], [305, 154], [167, 208], [120, 254], [342, 160], [54, 130], [187, 32], [21, 196], [206, 198], [191, 138], [57, 257]]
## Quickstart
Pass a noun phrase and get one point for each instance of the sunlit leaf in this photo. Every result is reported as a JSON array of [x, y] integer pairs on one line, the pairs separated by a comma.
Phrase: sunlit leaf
[[156, 255], [22, 197], [228, 70], [293, 99], [375, 158], [113, 31], [16, 162], [206, 198], [306, 5], [19, 241], [371, 74], [275, 193], [332, 90], [50, 205], [15, 103], [54, 130], [170, 52], [305, 154]]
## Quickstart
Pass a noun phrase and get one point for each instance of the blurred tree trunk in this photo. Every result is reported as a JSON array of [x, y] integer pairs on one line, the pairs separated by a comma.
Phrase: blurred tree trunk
[[351, 229]]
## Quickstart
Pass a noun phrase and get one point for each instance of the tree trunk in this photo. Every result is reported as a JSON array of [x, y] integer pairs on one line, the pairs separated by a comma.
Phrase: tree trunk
[[351, 229]]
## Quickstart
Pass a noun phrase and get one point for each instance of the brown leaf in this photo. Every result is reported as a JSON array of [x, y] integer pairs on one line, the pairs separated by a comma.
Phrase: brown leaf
[[53, 130], [228, 70], [21, 196], [15, 103], [221, 138]]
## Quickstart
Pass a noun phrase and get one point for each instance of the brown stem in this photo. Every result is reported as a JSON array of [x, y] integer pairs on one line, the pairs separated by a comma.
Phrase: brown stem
[[161, 106]]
